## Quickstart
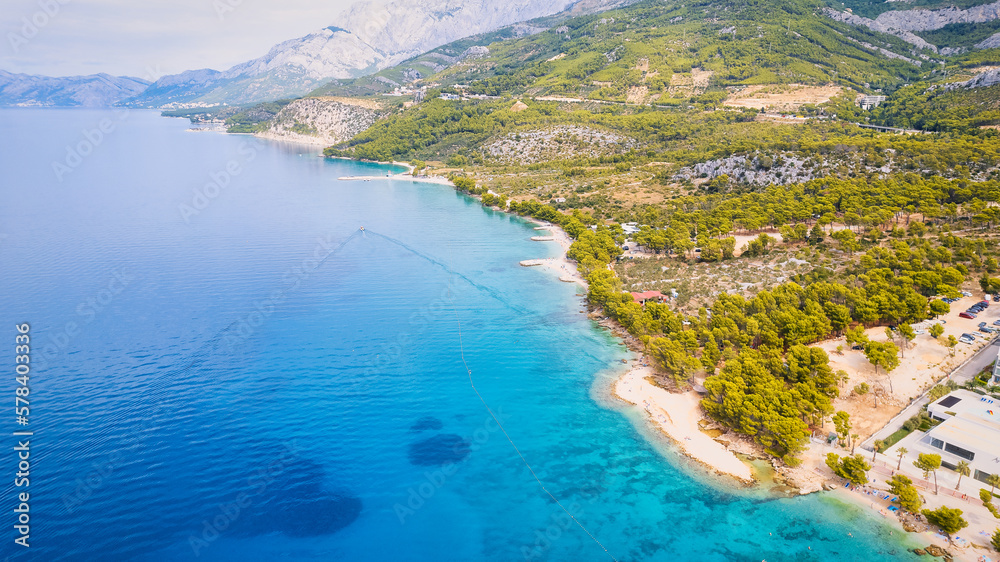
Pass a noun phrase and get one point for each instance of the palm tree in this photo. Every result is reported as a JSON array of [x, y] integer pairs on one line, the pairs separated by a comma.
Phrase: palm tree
[[993, 480], [902, 451], [962, 468], [854, 442], [876, 446]]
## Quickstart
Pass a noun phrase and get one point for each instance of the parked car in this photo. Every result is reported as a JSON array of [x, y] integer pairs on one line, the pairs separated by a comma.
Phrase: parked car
[[987, 329], [967, 336], [981, 324], [857, 347], [996, 298], [968, 315], [984, 303], [996, 322], [966, 293]]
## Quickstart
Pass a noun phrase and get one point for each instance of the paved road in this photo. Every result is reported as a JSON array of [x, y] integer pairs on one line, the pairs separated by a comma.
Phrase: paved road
[[978, 362], [971, 368]]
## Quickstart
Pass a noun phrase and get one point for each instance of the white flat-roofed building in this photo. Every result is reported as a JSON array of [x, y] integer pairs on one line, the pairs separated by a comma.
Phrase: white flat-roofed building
[[958, 401], [969, 431]]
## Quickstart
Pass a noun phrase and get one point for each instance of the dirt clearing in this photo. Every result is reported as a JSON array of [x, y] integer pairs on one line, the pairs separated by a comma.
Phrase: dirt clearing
[[783, 97]]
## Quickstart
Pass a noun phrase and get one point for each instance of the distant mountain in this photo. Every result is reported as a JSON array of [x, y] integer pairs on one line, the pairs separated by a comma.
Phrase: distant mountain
[[372, 35], [96, 90]]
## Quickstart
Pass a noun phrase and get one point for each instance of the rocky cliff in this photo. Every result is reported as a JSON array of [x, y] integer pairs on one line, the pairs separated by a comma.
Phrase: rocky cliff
[[874, 25], [985, 79], [323, 121], [903, 23], [927, 20]]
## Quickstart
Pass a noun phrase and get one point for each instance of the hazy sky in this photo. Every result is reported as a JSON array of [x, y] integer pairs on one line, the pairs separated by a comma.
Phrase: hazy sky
[[149, 38]]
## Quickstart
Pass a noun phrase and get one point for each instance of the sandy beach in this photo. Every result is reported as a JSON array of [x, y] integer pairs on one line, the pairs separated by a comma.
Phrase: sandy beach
[[404, 177], [968, 545], [678, 415], [561, 266]]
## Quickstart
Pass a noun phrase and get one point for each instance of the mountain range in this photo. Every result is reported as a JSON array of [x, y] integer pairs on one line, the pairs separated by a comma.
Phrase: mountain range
[[97, 90], [370, 36], [375, 35]]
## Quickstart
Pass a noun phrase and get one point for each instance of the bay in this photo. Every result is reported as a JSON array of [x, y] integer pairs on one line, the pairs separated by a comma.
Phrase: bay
[[227, 367]]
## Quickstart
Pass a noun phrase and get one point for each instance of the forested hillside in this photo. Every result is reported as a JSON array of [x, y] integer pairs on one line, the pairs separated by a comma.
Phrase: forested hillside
[[644, 46], [734, 137]]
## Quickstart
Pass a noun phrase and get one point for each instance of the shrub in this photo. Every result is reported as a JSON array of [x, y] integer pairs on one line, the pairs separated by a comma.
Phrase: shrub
[[948, 519]]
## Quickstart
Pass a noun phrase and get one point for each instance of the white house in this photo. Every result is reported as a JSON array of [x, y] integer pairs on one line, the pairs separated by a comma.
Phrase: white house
[[969, 431]]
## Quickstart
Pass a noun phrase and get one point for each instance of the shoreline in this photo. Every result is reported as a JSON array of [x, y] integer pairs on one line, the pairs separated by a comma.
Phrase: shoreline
[[677, 415], [560, 265], [874, 506], [563, 267], [439, 180], [630, 387]]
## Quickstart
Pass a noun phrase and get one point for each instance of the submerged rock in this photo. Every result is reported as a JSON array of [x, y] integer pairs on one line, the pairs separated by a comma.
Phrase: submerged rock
[[439, 450]]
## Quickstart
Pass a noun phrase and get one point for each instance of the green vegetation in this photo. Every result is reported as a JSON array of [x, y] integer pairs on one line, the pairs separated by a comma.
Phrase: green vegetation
[[942, 389], [960, 34], [928, 108], [842, 422], [853, 468], [929, 464], [948, 519], [962, 468], [903, 487], [995, 539], [303, 129], [850, 228], [202, 114], [256, 118], [987, 498], [750, 43], [895, 437]]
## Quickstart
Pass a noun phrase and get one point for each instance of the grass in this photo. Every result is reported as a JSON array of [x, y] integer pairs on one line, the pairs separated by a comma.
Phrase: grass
[[894, 438]]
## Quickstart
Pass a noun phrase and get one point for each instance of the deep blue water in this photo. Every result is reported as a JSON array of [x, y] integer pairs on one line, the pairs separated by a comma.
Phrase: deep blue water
[[245, 375]]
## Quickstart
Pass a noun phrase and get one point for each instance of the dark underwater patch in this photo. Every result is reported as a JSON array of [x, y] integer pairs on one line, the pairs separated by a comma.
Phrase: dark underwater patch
[[427, 423], [295, 502], [318, 516], [439, 450]]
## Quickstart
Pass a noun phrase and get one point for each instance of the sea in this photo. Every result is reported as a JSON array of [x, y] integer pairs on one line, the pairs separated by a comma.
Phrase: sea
[[235, 355]]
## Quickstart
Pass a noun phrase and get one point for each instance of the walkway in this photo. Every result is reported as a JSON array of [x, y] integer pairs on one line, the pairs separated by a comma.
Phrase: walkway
[[970, 368]]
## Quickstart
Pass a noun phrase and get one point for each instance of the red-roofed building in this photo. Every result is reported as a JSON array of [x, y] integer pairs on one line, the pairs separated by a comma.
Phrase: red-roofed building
[[644, 297]]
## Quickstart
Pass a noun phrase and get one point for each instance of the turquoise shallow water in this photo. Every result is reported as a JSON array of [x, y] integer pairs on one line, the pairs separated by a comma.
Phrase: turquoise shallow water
[[237, 372]]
